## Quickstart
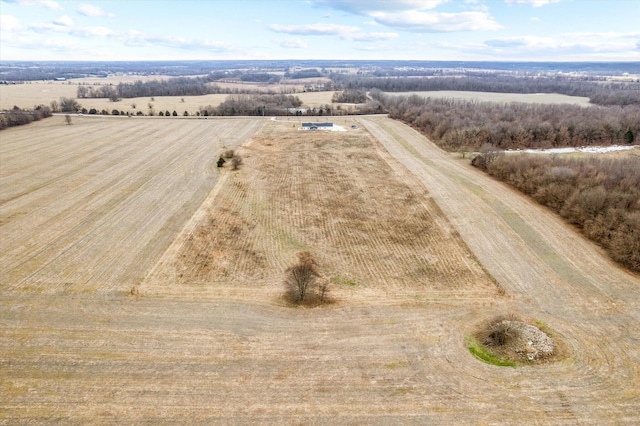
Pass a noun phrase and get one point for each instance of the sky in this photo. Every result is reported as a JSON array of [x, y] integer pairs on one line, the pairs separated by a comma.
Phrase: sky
[[468, 30]]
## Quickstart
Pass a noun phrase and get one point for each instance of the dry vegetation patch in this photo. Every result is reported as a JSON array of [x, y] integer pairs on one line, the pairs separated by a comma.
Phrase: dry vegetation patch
[[509, 340], [338, 195]]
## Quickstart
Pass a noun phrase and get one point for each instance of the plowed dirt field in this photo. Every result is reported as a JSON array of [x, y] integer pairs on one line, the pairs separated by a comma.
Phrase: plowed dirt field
[[419, 248]]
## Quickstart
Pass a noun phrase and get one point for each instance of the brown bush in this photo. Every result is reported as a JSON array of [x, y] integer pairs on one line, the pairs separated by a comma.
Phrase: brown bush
[[236, 162], [302, 282]]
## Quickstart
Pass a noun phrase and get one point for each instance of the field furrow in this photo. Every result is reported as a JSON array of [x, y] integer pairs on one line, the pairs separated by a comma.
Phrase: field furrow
[[131, 195], [370, 226]]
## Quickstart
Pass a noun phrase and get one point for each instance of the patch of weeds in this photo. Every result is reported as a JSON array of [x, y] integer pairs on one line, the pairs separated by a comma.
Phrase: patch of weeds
[[134, 292], [397, 364], [484, 355], [343, 281]]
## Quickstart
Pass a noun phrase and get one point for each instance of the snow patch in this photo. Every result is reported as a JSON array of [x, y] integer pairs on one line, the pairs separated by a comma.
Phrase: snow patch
[[589, 149]]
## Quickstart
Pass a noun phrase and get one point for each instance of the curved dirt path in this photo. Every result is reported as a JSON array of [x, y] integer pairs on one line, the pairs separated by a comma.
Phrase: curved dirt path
[[551, 272]]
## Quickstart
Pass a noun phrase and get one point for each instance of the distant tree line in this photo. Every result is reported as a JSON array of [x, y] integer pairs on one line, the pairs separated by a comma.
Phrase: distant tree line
[[599, 196], [19, 117], [350, 96], [256, 104], [459, 125], [306, 73], [598, 91], [179, 86]]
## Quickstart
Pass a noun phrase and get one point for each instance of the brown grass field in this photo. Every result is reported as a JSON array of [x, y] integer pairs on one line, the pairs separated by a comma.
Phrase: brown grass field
[[28, 95], [420, 249]]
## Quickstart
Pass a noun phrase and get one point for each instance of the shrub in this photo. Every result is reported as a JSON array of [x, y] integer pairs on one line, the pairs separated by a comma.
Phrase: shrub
[[304, 283], [236, 162]]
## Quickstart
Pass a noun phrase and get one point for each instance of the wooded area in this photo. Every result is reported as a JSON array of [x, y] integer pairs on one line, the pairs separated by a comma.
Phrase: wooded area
[[600, 196], [18, 117], [597, 89], [468, 125]]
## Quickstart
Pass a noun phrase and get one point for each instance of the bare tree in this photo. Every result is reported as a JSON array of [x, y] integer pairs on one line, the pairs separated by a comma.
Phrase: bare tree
[[69, 105], [301, 277], [236, 162]]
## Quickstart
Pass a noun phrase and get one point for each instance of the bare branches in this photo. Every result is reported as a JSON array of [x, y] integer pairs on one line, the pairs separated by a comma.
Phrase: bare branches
[[304, 282]]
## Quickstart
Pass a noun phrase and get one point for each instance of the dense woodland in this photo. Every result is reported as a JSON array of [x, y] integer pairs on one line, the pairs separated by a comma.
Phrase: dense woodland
[[179, 86], [598, 90], [468, 125], [599, 196], [19, 117]]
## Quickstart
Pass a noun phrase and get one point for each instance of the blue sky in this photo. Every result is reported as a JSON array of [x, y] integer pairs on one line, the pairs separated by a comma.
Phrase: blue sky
[[509, 30]]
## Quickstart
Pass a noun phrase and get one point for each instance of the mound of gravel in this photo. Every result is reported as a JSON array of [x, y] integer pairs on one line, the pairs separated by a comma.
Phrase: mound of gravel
[[529, 341]]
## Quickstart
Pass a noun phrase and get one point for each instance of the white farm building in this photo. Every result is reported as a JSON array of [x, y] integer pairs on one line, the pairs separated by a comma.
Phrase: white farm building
[[317, 126]]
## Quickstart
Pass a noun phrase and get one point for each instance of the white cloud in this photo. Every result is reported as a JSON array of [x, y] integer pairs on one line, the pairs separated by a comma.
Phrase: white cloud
[[91, 10], [313, 29], [10, 23], [360, 7], [437, 22], [137, 38], [370, 37], [599, 35], [342, 31], [49, 4], [72, 30], [65, 21], [292, 43], [534, 3], [563, 44], [416, 15]]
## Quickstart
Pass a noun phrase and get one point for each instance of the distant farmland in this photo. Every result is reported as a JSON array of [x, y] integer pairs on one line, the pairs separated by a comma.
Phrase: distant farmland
[[30, 94]]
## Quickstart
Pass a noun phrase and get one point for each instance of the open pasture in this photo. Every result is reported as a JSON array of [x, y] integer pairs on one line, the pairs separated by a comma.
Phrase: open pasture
[[31, 94], [420, 248]]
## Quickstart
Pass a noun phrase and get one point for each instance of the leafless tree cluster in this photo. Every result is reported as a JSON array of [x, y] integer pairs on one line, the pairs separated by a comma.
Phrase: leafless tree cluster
[[501, 331], [66, 105], [257, 104], [600, 196], [178, 86], [303, 282], [19, 117], [350, 96], [454, 124], [599, 91]]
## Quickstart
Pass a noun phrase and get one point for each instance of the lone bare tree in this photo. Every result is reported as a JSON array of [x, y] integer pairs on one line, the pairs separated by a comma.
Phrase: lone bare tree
[[301, 277], [236, 162], [69, 105]]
